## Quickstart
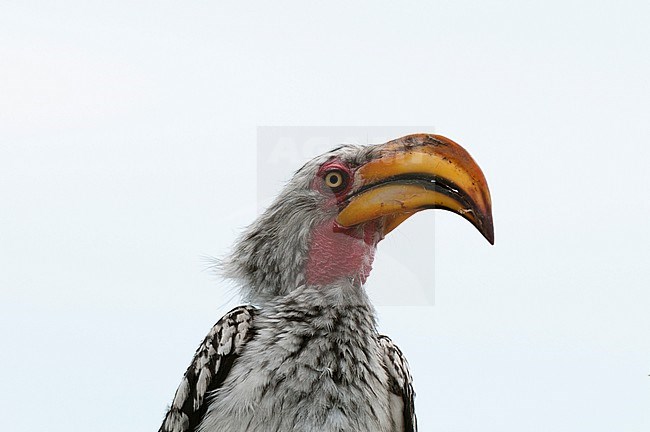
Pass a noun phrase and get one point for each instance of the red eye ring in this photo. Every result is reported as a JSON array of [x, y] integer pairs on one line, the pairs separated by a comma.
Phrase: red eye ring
[[334, 177]]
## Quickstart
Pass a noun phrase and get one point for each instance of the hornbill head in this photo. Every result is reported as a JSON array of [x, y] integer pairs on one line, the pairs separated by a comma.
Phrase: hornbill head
[[323, 228]]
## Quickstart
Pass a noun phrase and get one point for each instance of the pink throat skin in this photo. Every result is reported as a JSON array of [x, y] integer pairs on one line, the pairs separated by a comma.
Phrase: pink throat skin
[[336, 252]]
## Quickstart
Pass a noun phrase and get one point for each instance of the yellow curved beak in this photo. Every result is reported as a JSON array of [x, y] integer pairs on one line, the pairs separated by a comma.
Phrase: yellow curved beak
[[419, 172]]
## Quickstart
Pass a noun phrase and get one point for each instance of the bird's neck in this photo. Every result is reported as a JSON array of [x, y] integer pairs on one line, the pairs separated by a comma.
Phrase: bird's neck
[[269, 262], [338, 296]]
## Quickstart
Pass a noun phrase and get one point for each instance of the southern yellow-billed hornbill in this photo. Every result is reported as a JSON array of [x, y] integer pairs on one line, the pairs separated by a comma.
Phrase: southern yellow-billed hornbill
[[305, 354]]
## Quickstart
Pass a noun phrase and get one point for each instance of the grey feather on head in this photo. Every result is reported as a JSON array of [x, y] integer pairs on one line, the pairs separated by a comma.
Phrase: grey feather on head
[[268, 259]]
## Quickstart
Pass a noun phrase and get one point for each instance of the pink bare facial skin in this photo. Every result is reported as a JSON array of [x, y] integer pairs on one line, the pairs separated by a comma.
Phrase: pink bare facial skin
[[337, 252]]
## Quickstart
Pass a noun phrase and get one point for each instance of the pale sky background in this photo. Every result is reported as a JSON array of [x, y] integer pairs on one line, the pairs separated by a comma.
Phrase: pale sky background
[[128, 153]]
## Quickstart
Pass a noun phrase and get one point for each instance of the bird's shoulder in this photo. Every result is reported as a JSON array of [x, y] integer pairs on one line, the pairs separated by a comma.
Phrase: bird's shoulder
[[400, 380], [210, 366]]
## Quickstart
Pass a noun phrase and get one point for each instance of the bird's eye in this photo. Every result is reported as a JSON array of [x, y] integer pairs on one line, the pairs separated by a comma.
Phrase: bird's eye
[[336, 180]]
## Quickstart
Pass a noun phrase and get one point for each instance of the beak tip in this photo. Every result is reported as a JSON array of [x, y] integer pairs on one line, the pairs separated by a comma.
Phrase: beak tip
[[487, 229]]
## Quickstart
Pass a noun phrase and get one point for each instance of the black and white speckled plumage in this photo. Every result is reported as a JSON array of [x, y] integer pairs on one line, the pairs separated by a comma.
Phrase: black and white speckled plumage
[[321, 365], [210, 366], [305, 358]]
